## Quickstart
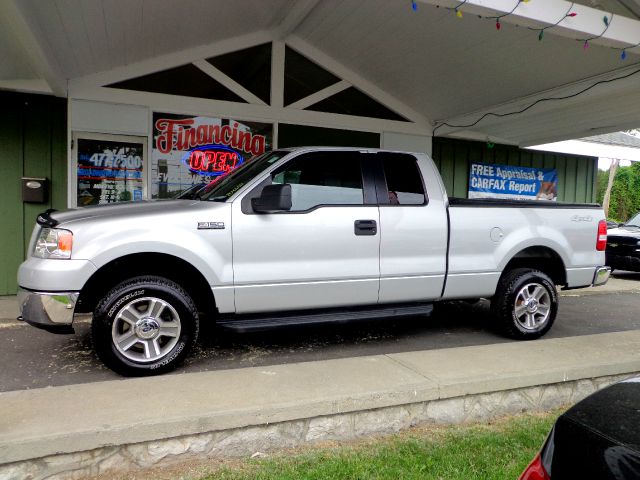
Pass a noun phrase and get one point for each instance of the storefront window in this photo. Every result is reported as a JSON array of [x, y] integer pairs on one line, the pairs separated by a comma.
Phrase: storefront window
[[192, 150], [109, 169]]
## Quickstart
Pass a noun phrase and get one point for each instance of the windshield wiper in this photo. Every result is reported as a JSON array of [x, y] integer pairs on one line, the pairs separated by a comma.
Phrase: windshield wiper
[[631, 225], [219, 198]]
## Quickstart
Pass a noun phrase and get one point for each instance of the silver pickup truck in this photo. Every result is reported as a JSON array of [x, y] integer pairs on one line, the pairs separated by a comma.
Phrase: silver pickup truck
[[302, 236]]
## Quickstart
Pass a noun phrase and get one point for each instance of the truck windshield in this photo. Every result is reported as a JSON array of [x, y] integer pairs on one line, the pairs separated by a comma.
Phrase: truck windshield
[[226, 186], [634, 222]]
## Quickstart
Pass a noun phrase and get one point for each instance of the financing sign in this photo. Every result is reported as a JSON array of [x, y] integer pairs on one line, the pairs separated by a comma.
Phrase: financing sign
[[192, 150]]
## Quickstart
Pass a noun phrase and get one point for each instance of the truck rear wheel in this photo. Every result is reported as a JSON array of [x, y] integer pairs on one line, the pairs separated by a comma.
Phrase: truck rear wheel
[[144, 326], [525, 304]]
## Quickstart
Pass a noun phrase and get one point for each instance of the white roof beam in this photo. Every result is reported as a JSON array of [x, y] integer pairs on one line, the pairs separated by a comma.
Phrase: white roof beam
[[329, 63], [321, 95], [171, 60], [38, 51], [228, 82], [588, 23]]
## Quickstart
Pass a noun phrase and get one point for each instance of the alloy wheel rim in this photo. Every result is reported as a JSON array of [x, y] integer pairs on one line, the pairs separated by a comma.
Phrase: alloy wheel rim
[[146, 329], [532, 307]]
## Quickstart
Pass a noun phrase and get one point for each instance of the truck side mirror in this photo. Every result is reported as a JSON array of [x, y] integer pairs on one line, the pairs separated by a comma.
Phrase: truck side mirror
[[274, 198]]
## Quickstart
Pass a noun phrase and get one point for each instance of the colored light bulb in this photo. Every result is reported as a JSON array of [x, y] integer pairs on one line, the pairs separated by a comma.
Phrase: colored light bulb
[[458, 13], [498, 25], [605, 19], [540, 35], [414, 5], [586, 45], [572, 14], [623, 55]]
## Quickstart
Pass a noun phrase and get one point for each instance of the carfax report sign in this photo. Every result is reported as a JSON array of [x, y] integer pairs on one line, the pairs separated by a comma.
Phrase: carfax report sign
[[510, 182]]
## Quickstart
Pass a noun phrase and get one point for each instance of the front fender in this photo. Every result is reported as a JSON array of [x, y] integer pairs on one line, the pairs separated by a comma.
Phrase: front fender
[[175, 234]]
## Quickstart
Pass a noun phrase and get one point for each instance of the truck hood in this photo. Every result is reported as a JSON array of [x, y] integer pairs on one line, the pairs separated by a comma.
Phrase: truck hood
[[128, 209], [624, 232]]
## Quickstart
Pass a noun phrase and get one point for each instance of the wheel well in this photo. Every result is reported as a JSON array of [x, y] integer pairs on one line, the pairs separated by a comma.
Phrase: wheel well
[[163, 265], [540, 258]]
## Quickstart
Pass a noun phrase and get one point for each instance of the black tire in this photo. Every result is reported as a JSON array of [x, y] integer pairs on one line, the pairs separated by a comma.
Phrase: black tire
[[513, 316], [155, 315]]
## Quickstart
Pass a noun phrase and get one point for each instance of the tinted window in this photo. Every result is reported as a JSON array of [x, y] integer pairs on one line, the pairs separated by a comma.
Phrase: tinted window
[[187, 80], [404, 180], [323, 178], [250, 67], [233, 181]]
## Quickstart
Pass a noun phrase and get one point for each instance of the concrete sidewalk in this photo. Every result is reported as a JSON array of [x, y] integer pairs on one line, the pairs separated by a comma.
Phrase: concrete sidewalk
[[136, 423]]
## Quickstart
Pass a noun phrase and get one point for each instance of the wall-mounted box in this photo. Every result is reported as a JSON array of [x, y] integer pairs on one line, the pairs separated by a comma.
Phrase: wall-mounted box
[[35, 190]]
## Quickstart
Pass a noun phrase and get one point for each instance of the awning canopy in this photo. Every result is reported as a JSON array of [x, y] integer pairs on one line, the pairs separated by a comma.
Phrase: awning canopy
[[464, 77]]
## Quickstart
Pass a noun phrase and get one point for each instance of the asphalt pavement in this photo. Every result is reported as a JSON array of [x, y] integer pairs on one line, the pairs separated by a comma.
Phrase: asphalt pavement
[[32, 358]]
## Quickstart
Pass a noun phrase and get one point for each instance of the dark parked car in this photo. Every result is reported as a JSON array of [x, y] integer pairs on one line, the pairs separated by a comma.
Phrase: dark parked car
[[597, 438], [623, 246]]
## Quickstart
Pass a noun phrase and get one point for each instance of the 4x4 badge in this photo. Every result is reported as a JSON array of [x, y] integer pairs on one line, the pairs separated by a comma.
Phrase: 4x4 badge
[[210, 225]]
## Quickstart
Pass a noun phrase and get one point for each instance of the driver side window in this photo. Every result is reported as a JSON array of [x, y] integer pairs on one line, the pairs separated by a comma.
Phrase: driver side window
[[322, 178]]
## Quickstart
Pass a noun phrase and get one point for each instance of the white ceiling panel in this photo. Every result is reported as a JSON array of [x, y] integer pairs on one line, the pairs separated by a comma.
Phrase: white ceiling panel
[[89, 36], [13, 59], [443, 65]]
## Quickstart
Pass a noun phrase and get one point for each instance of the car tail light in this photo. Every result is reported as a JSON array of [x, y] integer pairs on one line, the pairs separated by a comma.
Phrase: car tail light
[[535, 471], [601, 243]]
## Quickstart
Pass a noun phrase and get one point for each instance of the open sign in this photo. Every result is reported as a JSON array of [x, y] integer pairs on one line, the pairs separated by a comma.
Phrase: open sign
[[212, 160]]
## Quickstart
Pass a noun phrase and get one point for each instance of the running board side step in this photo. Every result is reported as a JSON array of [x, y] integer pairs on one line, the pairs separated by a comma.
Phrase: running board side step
[[258, 323]]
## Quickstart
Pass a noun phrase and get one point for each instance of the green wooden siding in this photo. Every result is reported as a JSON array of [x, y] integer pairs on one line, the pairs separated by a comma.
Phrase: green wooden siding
[[33, 131], [576, 173]]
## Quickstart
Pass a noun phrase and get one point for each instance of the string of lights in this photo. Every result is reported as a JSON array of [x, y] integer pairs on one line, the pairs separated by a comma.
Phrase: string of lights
[[607, 23], [439, 125], [497, 19], [569, 14], [457, 8]]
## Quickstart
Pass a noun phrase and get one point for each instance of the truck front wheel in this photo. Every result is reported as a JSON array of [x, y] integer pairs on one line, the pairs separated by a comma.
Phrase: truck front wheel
[[525, 304], [144, 326]]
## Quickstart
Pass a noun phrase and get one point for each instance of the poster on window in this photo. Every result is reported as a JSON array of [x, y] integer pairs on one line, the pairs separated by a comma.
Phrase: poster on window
[[511, 182], [190, 151], [109, 171]]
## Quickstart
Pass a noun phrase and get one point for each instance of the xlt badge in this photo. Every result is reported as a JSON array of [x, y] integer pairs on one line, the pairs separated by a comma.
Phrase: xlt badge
[[210, 225]]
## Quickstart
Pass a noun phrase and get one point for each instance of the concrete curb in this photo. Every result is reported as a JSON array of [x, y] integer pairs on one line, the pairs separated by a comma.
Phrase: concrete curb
[[142, 422]]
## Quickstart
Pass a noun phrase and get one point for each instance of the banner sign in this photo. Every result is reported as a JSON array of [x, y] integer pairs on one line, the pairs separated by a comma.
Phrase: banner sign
[[511, 182], [191, 150], [109, 171]]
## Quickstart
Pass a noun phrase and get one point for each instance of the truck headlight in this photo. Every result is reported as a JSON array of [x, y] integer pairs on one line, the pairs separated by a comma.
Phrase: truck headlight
[[53, 243]]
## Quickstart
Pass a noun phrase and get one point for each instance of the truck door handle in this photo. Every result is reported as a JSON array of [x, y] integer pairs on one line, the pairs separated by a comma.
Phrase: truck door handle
[[365, 227]]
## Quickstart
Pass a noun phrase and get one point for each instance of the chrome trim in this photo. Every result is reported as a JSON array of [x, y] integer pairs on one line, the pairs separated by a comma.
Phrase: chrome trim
[[601, 276], [47, 309]]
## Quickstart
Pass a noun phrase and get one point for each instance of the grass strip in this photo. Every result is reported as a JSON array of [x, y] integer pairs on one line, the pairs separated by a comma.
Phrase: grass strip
[[494, 450]]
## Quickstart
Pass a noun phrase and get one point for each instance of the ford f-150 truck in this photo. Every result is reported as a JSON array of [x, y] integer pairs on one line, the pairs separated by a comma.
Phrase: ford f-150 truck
[[302, 236]]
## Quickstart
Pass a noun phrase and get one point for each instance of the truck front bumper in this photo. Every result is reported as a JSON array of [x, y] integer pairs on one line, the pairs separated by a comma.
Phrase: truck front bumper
[[51, 311], [601, 276]]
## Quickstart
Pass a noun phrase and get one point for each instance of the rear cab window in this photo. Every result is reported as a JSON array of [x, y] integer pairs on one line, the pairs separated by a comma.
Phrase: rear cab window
[[403, 180]]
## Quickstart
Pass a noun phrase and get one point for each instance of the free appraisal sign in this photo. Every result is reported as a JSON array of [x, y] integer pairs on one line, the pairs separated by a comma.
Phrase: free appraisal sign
[[512, 182]]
